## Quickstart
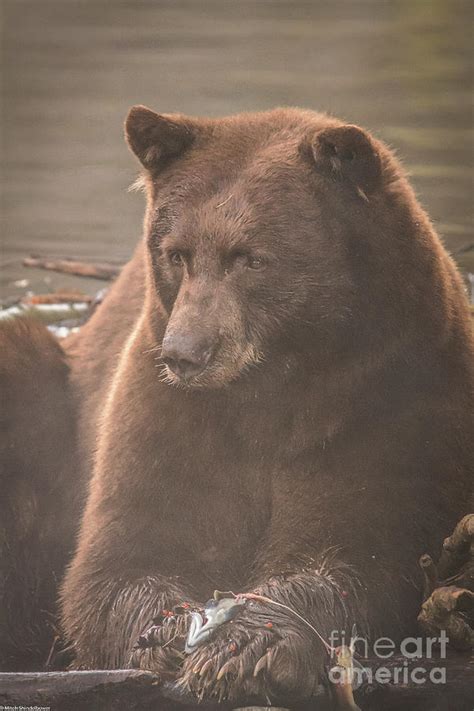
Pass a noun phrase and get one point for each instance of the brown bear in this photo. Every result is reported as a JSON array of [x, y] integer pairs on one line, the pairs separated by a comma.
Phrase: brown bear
[[39, 505], [276, 398]]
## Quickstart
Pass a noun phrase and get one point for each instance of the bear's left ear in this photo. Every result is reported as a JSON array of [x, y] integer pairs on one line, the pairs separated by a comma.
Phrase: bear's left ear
[[349, 153]]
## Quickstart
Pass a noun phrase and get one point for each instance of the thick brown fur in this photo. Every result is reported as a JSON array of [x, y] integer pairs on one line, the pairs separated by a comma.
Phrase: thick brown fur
[[38, 501], [327, 440]]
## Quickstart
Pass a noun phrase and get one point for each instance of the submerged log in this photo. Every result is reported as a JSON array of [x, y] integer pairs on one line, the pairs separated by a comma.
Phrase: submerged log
[[61, 296], [99, 270], [129, 689]]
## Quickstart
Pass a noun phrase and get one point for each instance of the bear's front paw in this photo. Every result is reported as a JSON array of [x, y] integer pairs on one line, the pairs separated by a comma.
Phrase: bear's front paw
[[259, 655], [161, 647]]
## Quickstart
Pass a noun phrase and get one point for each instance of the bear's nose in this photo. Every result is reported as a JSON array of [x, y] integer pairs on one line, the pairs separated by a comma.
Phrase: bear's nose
[[185, 356]]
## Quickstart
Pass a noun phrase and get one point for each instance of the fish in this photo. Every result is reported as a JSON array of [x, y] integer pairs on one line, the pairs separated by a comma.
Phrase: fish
[[216, 613]]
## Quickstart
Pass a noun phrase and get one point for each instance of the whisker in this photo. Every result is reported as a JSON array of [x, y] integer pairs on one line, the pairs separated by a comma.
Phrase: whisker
[[155, 349]]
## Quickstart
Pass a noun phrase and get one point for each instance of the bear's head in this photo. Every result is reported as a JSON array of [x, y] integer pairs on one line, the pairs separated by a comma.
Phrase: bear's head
[[255, 228]]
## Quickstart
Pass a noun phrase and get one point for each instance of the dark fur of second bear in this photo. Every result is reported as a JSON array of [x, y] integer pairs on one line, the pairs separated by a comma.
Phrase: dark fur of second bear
[[40, 500], [327, 441]]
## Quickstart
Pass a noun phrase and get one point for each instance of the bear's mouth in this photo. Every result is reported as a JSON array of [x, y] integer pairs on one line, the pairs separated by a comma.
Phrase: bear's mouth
[[187, 381]]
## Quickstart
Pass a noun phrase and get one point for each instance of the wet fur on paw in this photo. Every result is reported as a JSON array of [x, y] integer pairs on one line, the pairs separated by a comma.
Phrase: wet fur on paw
[[161, 646], [262, 654]]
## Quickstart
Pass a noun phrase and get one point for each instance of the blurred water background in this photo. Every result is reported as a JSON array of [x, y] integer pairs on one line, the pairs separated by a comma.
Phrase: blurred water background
[[402, 68]]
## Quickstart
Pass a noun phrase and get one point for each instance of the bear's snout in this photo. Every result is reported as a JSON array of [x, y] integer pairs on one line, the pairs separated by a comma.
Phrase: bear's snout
[[186, 354]]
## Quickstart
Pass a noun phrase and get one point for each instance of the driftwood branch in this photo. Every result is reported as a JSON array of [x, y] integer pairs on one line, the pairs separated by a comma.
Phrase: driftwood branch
[[129, 689], [102, 270], [136, 690]]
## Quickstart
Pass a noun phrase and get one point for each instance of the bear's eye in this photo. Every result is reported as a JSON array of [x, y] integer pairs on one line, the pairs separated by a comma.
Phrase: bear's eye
[[176, 258], [255, 262], [244, 260]]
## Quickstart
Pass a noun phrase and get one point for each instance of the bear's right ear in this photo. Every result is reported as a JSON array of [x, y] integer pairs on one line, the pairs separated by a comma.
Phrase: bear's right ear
[[155, 138]]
